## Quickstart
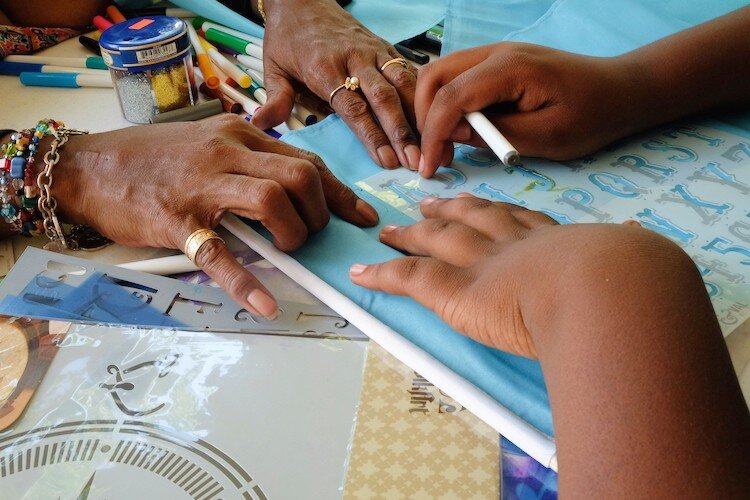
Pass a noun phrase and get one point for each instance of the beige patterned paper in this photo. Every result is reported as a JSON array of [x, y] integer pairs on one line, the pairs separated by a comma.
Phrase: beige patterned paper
[[412, 441]]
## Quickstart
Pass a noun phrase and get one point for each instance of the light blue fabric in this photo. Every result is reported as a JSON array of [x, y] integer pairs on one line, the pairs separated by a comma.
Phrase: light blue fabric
[[392, 20], [516, 382]]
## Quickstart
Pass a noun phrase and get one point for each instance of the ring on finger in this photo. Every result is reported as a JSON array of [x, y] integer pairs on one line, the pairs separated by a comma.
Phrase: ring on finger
[[398, 60], [197, 239], [351, 83]]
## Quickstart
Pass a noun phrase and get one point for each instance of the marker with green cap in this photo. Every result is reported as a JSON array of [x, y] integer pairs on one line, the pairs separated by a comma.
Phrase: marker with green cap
[[91, 62]]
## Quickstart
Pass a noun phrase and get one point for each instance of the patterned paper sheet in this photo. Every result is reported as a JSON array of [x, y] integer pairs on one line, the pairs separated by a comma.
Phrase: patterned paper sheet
[[689, 183]]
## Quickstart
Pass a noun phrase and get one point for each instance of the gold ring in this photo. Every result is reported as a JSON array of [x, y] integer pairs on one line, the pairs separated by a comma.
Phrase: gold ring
[[197, 239], [399, 60], [351, 83]]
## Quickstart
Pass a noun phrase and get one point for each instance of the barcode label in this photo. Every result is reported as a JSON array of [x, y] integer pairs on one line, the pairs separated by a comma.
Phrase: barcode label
[[156, 52]]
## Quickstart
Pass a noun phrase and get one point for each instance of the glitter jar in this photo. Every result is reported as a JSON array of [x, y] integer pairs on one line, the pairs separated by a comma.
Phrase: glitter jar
[[151, 66]]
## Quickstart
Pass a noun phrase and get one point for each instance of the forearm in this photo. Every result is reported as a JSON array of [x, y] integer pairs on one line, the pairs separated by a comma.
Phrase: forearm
[[636, 366], [700, 69]]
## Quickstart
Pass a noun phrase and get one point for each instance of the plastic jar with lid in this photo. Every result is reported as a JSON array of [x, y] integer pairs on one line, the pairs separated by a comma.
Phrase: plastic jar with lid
[[151, 66]]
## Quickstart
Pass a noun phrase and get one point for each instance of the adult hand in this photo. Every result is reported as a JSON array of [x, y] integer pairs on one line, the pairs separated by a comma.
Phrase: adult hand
[[317, 44], [155, 185], [547, 102]]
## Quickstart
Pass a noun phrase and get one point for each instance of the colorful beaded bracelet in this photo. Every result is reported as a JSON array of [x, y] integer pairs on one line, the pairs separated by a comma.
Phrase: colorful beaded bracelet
[[18, 192]]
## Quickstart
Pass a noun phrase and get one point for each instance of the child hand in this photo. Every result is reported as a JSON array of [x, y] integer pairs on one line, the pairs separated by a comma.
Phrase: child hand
[[463, 264], [547, 102]]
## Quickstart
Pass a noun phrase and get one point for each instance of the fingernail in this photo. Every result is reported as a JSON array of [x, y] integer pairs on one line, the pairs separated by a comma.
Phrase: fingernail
[[263, 303], [413, 155], [387, 157], [430, 200], [389, 228], [366, 211], [357, 269], [465, 195], [421, 163]]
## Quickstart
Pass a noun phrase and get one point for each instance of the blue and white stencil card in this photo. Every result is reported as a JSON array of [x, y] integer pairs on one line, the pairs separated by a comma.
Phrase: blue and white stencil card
[[689, 183]]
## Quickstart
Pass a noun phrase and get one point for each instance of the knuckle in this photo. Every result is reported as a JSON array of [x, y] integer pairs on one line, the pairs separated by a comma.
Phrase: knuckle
[[303, 174], [354, 108], [382, 94], [447, 95], [404, 79], [214, 143], [269, 195], [209, 256], [437, 226], [373, 135], [311, 157], [403, 133]]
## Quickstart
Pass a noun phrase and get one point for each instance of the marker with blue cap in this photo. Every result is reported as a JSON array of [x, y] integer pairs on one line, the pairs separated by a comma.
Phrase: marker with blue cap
[[67, 80]]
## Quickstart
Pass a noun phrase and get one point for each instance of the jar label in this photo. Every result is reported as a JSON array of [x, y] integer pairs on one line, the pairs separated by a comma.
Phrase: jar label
[[156, 52]]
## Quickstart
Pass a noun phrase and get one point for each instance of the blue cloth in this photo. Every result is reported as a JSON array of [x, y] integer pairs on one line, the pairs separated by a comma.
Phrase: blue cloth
[[392, 20], [514, 381]]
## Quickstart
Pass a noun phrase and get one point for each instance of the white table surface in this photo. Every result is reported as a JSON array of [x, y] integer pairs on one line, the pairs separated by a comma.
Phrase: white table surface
[[97, 110]]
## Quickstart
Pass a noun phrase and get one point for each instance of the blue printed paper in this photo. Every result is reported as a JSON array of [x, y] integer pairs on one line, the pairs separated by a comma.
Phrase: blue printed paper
[[690, 183]]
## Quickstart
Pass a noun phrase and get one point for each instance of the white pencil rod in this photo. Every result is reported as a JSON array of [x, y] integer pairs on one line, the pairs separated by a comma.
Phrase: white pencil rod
[[494, 139], [250, 62], [510, 425], [162, 266]]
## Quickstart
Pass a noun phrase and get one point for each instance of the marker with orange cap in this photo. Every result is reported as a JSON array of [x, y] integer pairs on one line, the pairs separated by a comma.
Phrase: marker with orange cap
[[232, 71], [204, 62], [115, 15]]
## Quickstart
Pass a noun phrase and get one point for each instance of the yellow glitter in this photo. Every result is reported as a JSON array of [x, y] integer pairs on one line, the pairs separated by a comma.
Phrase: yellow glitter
[[170, 87]]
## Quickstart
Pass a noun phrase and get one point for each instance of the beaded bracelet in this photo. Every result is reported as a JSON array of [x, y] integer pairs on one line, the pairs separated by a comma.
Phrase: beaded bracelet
[[17, 179], [26, 200]]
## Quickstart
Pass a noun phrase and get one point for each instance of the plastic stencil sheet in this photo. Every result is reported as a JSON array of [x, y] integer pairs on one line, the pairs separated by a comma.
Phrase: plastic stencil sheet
[[138, 413], [691, 183], [53, 286]]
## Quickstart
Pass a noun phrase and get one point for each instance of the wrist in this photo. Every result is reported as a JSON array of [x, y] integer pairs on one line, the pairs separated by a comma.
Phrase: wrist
[[68, 179]]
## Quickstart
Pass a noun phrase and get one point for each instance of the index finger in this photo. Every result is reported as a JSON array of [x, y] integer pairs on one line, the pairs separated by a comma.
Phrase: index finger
[[340, 198]]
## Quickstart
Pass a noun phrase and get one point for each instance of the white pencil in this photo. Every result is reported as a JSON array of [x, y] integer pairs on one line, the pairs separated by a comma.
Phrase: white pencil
[[162, 266], [248, 104], [494, 139]]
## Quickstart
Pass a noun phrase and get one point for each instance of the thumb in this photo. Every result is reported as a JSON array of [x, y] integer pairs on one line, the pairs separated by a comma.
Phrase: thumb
[[280, 101]]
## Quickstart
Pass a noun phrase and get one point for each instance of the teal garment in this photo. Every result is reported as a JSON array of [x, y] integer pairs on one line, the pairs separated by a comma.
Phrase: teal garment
[[592, 27], [473, 23], [514, 381], [392, 20]]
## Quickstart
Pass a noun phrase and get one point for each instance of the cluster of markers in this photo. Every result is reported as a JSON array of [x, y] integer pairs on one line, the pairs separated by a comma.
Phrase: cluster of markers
[[229, 62]]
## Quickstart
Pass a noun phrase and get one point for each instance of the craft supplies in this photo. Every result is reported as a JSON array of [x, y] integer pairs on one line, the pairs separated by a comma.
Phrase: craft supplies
[[250, 62], [228, 104], [115, 15], [101, 23], [204, 62], [412, 54], [234, 42], [189, 114], [201, 23], [67, 80], [91, 44], [227, 66], [16, 68], [150, 65], [91, 62]]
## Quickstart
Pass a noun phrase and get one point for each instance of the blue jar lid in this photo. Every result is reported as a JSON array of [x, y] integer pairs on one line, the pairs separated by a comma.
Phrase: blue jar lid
[[144, 43]]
